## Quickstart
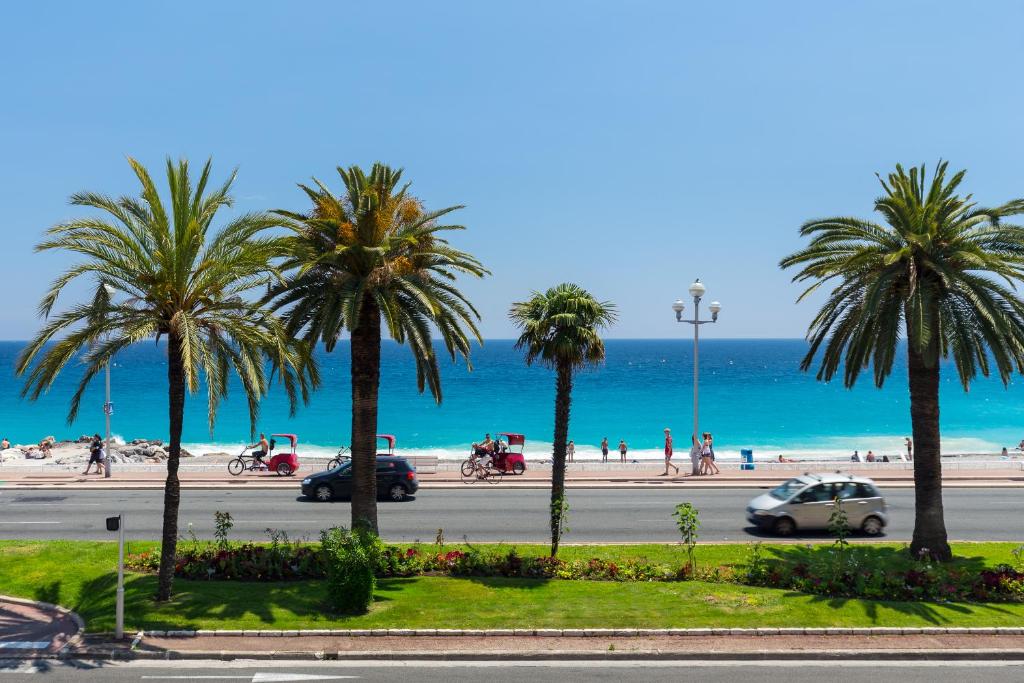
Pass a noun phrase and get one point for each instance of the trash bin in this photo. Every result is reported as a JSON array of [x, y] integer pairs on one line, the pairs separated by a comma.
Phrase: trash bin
[[746, 459]]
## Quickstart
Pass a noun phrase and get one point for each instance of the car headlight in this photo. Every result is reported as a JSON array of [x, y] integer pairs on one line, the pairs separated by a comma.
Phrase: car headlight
[[306, 480], [761, 513]]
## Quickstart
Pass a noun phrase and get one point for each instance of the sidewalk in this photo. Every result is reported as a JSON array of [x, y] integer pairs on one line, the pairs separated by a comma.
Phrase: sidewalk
[[28, 627], [578, 475], [539, 647]]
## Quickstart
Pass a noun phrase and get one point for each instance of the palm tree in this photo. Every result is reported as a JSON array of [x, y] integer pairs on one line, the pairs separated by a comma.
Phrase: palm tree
[[560, 329], [941, 269], [178, 282], [375, 253]]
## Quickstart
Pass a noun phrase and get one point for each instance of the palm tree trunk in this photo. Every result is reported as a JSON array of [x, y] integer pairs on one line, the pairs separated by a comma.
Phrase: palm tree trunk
[[172, 489], [563, 400], [929, 523], [365, 388]]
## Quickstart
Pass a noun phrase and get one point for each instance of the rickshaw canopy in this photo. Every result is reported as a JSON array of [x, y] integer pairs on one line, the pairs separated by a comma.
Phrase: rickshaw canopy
[[293, 439], [513, 439], [390, 438]]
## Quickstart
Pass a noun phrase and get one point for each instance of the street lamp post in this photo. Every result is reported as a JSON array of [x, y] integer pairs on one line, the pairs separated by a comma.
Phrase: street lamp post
[[108, 407], [697, 291]]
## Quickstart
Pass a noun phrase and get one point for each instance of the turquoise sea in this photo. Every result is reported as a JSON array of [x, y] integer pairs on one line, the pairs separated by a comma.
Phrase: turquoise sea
[[752, 396]]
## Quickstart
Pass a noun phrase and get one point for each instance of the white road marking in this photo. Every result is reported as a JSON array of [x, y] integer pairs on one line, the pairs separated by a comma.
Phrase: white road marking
[[29, 522], [24, 644], [258, 677], [278, 678], [65, 505]]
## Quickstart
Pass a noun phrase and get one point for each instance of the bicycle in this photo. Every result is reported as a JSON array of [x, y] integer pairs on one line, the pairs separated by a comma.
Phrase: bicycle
[[244, 463], [477, 469], [343, 456]]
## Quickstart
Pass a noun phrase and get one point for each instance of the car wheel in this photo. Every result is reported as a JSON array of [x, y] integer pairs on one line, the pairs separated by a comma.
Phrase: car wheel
[[872, 526], [784, 526], [518, 468], [236, 466], [323, 493], [396, 493], [283, 469]]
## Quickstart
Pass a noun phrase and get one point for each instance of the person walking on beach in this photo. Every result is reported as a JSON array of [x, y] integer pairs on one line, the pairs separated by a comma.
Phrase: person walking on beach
[[622, 450], [95, 454], [604, 449], [707, 462], [570, 450], [910, 448], [668, 453]]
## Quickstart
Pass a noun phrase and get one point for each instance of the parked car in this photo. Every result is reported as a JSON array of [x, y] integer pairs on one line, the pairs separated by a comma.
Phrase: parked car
[[807, 502], [396, 479]]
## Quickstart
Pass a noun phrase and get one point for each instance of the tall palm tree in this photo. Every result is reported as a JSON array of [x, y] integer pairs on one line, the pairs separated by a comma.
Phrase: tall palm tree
[[942, 270], [561, 330], [372, 254], [178, 281]]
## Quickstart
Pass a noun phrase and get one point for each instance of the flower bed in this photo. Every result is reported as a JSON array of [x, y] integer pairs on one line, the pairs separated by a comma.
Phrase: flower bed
[[821, 571]]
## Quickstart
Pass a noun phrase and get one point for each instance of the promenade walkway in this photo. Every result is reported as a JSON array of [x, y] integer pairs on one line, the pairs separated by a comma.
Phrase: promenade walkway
[[580, 474]]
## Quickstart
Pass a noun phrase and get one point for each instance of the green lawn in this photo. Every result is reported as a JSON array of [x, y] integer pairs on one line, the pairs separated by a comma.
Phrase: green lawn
[[81, 575]]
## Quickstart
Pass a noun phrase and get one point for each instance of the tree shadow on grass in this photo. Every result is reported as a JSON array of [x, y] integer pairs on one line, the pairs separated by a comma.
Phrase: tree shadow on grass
[[926, 611], [192, 602], [890, 559], [48, 592]]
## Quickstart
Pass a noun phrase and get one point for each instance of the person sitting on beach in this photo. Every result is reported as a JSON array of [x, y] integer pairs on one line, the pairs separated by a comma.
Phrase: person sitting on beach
[[781, 459], [264, 448], [885, 458], [870, 457], [5, 444], [855, 457]]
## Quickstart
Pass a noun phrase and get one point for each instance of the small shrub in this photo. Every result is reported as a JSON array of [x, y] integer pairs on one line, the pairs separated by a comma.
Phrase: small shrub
[[689, 525], [222, 526], [351, 559]]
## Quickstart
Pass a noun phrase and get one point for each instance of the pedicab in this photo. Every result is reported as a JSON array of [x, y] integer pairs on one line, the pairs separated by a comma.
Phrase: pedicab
[[284, 463], [345, 453], [506, 457]]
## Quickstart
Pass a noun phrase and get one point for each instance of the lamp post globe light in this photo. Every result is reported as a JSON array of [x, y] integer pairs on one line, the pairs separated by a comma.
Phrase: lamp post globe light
[[697, 291]]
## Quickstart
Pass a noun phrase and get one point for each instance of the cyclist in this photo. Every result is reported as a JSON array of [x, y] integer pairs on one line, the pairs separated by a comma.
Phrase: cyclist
[[264, 449]]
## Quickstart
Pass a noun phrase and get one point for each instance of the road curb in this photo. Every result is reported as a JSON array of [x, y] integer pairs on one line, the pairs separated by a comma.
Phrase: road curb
[[586, 632], [934, 654]]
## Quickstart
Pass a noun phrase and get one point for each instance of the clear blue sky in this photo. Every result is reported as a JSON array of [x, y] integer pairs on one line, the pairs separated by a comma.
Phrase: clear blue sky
[[629, 147]]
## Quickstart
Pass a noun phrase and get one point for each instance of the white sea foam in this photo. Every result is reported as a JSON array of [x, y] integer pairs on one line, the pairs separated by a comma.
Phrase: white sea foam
[[833, 448]]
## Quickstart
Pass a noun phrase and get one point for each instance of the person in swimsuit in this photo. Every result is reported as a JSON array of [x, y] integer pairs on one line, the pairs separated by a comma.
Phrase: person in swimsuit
[[264, 448], [709, 442], [570, 450], [622, 450], [668, 453], [604, 449]]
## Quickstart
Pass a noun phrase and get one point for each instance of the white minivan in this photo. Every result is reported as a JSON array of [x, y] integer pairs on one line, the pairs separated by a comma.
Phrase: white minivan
[[807, 502]]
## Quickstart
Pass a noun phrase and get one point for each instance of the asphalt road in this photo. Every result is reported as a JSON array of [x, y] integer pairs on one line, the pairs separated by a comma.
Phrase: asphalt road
[[811, 671], [479, 513]]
